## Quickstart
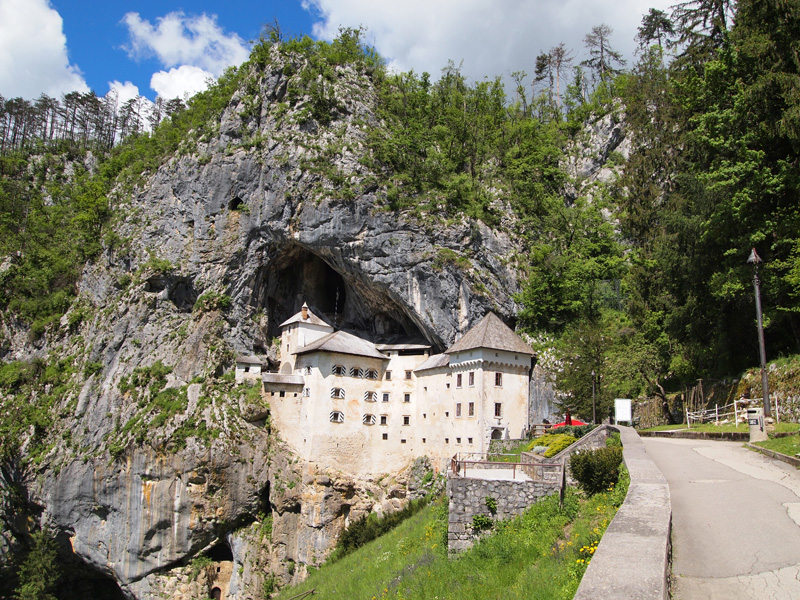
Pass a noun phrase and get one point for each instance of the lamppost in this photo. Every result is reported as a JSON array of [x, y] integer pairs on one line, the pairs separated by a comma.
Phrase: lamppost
[[594, 406], [755, 259]]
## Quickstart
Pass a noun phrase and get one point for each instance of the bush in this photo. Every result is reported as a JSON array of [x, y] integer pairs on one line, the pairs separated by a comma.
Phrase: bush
[[481, 523], [596, 470], [614, 441], [212, 301], [555, 443], [370, 527]]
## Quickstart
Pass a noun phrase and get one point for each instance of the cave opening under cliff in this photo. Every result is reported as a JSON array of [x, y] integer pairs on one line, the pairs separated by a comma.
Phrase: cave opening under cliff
[[80, 580], [347, 300]]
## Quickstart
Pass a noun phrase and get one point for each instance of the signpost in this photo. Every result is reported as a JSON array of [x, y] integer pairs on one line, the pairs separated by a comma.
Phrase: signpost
[[622, 410]]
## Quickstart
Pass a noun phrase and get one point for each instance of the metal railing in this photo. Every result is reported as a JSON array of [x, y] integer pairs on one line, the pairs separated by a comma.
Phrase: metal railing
[[462, 463]]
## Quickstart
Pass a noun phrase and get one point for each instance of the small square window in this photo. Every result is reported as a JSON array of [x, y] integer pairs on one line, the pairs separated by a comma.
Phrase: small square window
[[385, 436], [447, 413], [408, 374], [423, 440], [388, 375], [471, 409], [406, 420], [384, 419], [385, 396], [471, 378], [458, 440], [282, 393], [402, 441], [469, 440], [448, 386], [406, 397], [446, 440]]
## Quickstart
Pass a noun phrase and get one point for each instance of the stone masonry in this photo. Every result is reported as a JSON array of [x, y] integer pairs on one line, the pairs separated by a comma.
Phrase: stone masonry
[[467, 498]]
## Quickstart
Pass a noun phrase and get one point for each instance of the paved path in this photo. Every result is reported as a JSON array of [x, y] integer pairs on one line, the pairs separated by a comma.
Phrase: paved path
[[736, 521]]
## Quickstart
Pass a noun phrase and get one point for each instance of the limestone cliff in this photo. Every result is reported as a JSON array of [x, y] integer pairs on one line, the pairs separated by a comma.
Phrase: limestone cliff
[[150, 459]]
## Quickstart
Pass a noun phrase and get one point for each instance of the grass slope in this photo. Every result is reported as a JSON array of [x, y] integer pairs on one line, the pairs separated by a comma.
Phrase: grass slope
[[541, 554]]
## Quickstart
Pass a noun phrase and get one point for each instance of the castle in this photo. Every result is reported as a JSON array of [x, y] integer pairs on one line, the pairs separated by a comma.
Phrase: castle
[[342, 402]]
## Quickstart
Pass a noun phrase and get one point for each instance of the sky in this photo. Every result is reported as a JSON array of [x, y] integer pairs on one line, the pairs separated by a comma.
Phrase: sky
[[172, 47]]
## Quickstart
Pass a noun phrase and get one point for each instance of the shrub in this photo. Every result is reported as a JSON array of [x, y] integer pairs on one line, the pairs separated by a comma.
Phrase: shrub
[[370, 527], [555, 443], [481, 523], [596, 470], [614, 441], [212, 301]]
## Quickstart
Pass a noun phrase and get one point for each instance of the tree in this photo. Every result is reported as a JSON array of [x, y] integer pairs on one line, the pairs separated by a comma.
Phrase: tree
[[656, 27], [702, 27], [602, 56], [39, 573]]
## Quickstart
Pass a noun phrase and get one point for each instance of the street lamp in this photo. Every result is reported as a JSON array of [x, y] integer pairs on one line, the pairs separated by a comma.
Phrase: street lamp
[[755, 259], [594, 406]]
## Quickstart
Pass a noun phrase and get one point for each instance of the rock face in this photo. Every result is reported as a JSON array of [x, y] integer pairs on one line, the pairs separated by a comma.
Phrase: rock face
[[152, 461], [155, 458]]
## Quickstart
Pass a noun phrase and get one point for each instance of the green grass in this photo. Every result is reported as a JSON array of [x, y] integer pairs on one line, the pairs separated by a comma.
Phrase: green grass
[[785, 445], [710, 427], [540, 555]]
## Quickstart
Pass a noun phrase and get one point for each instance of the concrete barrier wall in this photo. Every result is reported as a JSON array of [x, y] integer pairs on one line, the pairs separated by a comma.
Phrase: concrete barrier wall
[[632, 561], [467, 498]]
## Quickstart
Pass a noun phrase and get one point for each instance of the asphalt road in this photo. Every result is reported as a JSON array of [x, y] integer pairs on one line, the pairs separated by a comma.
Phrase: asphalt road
[[736, 521]]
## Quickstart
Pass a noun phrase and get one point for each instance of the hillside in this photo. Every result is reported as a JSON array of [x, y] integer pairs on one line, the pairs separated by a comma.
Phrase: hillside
[[611, 223]]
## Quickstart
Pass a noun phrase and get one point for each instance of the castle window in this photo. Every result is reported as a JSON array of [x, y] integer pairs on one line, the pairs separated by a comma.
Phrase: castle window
[[498, 409], [388, 375], [306, 392], [469, 440], [307, 370], [336, 416], [402, 441], [458, 440], [384, 419], [406, 420], [498, 379], [337, 393], [408, 374], [282, 393], [406, 397], [446, 440], [371, 374], [385, 436], [356, 372], [458, 380], [385, 396], [471, 409], [370, 396], [471, 378], [339, 370], [458, 409], [368, 419]]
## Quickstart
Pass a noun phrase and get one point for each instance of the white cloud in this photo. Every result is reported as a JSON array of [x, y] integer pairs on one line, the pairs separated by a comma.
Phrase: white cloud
[[33, 51], [184, 81], [179, 40], [124, 91], [492, 38]]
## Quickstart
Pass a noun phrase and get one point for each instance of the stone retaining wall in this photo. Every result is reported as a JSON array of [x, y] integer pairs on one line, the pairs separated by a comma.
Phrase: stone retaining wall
[[468, 498]]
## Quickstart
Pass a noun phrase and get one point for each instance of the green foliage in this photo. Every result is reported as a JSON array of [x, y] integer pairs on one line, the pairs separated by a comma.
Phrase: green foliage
[[370, 527], [614, 441], [555, 442], [40, 571], [481, 523], [198, 564], [212, 301], [596, 470], [491, 504]]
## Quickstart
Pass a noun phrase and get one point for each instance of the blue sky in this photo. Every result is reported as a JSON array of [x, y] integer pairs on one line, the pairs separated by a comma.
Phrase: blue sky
[[171, 47]]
